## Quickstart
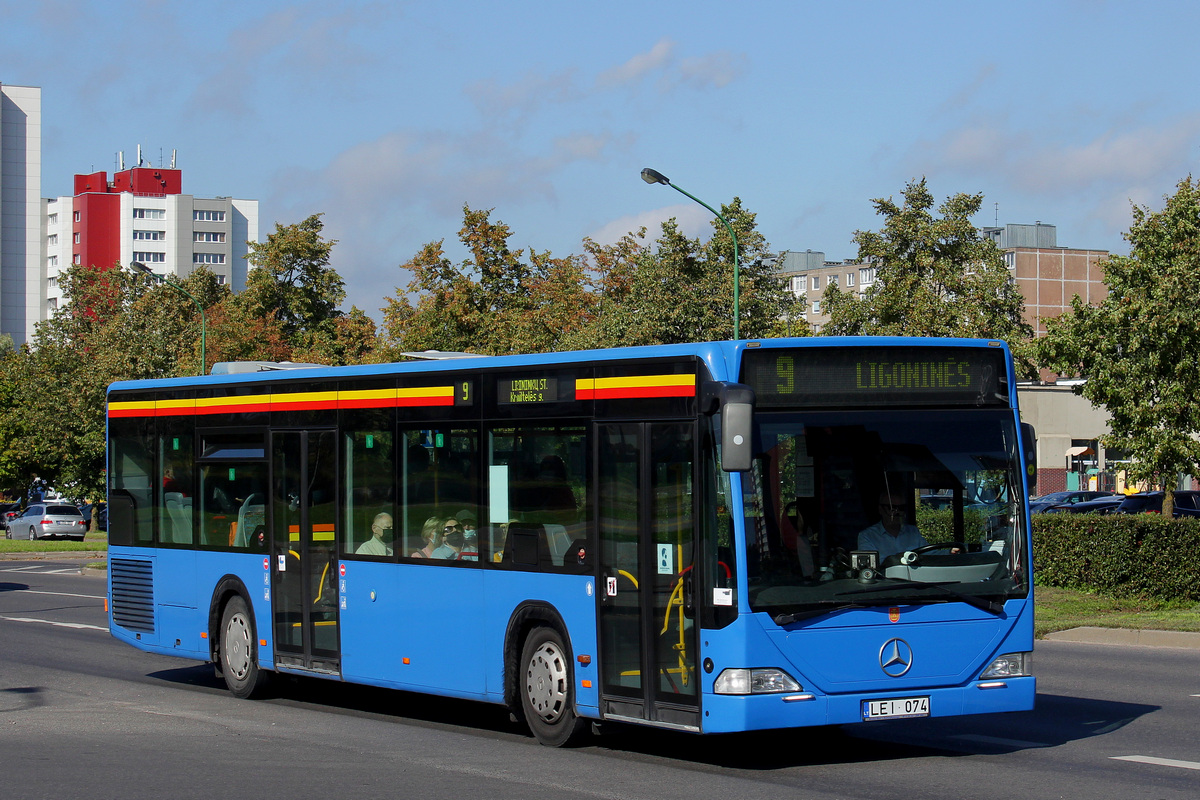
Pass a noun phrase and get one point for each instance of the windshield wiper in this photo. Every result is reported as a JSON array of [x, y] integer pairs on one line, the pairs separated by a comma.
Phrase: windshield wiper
[[982, 603], [830, 606]]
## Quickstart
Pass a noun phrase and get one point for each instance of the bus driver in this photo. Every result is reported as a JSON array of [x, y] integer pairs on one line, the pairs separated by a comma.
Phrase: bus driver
[[891, 535]]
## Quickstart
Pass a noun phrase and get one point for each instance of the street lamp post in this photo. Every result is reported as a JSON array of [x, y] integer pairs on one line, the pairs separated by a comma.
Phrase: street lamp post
[[654, 176], [140, 267]]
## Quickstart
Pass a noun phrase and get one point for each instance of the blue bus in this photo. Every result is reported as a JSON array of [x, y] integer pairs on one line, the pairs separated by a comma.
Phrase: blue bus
[[713, 537]]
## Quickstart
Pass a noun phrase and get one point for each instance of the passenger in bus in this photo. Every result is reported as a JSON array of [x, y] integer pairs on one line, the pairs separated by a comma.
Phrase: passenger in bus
[[498, 554], [891, 535], [381, 535], [452, 541], [431, 533], [470, 548]]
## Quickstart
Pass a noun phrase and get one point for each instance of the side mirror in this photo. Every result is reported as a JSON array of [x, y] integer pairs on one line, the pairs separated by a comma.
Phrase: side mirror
[[736, 403], [1029, 446]]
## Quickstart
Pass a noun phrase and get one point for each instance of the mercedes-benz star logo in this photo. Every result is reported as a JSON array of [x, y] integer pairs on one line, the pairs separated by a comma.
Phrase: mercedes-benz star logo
[[895, 657]]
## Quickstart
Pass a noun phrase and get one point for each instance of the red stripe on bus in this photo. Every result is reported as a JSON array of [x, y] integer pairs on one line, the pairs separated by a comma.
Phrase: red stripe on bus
[[641, 392]]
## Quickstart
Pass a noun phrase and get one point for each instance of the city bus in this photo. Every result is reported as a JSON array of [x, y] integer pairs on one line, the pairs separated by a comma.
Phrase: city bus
[[674, 536]]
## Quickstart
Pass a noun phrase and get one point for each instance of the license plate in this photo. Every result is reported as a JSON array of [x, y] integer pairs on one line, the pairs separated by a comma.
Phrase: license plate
[[896, 708]]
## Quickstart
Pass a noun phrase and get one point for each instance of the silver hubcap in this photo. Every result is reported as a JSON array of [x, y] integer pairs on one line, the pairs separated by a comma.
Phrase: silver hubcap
[[237, 646], [546, 682], [32, 535]]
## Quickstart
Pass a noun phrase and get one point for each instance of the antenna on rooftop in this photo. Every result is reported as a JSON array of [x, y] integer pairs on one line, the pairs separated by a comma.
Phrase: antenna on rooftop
[[997, 214], [121, 160], [139, 155], [172, 158]]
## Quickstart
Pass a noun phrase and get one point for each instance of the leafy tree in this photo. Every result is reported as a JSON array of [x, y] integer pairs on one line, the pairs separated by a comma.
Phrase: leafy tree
[[1137, 349], [499, 300], [113, 326], [346, 339], [682, 289], [291, 277], [934, 276]]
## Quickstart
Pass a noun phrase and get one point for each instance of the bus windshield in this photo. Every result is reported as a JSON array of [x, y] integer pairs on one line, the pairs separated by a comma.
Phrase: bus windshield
[[883, 507]]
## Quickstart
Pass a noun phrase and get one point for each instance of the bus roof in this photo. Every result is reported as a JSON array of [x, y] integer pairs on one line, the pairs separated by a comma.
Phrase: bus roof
[[709, 352]]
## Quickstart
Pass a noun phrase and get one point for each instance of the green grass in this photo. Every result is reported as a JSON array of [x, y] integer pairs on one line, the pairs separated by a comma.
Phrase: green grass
[[1061, 609], [97, 540]]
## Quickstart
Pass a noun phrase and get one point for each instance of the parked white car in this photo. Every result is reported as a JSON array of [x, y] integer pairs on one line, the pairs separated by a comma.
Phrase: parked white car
[[48, 521]]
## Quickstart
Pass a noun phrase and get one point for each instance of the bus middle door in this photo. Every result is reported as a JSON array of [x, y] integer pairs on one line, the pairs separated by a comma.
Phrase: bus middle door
[[304, 549], [646, 512]]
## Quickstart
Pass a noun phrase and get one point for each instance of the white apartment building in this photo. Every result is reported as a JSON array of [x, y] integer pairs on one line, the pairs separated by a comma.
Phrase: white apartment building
[[142, 216], [21, 285]]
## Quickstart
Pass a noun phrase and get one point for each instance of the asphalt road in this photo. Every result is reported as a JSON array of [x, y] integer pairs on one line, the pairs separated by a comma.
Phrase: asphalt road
[[84, 716]]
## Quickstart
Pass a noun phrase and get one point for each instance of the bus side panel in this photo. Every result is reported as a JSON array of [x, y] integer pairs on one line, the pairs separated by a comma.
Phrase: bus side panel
[[573, 597], [413, 626]]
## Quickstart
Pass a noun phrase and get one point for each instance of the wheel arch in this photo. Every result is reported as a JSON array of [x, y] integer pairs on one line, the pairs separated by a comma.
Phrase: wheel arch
[[229, 586], [527, 616]]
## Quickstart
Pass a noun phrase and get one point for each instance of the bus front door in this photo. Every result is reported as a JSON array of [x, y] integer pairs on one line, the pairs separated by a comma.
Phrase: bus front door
[[646, 512], [304, 550]]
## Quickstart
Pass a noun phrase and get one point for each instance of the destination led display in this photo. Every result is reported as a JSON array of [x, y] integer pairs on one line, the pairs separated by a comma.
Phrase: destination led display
[[872, 376], [527, 390]]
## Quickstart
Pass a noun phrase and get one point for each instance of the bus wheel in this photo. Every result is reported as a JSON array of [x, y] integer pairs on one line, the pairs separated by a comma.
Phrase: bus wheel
[[238, 663], [547, 690]]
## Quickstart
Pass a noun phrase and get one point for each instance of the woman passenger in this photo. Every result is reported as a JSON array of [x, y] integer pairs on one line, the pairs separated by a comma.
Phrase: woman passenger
[[431, 533]]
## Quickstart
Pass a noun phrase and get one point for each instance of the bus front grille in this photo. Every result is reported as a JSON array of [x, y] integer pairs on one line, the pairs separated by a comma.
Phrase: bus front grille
[[133, 594]]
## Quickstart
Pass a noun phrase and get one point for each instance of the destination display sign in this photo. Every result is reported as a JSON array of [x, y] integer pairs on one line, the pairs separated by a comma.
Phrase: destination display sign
[[874, 376], [516, 391]]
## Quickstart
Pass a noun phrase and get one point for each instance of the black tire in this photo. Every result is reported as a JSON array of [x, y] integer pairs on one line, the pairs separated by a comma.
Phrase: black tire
[[547, 689], [238, 651]]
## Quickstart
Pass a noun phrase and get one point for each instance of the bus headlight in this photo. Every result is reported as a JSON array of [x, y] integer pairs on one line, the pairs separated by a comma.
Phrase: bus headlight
[[755, 681], [1009, 665]]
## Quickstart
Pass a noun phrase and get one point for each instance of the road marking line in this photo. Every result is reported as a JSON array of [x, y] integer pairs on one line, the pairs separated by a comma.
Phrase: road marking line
[[62, 594], [1161, 762], [977, 737], [20, 569], [77, 625]]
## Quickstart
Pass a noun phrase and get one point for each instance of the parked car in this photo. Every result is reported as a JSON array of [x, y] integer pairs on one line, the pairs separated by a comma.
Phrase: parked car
[[1101, 505], [1039, 504], [1187, 504], [48, 521], [8, 511], [101, 514]]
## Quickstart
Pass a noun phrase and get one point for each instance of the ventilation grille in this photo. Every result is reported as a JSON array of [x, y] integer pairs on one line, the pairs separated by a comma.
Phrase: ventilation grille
[[132, 594]]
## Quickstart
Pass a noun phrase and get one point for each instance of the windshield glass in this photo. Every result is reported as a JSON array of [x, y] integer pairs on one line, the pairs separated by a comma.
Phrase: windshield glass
[[847, 509]]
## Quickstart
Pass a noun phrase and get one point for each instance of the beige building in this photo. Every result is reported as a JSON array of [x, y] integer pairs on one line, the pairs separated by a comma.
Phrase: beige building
[[1047, 275]]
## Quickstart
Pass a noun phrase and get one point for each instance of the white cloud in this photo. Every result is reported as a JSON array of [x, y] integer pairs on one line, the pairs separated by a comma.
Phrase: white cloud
[[717, 69], [693, 220], [636, 68]]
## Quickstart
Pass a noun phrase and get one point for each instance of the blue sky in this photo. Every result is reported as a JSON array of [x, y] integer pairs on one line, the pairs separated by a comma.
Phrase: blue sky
[[388, 117]]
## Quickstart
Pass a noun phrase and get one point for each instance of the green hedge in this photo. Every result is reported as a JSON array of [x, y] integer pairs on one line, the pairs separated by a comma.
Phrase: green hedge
[[1125, 555]]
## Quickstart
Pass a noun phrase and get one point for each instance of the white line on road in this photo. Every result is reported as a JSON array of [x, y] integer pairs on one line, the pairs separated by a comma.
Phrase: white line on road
[[1160, 762], [77, 625], [62, 594]]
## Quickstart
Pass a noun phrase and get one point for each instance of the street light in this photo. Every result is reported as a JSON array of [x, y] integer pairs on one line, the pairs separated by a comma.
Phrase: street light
[[140, 267], [654, 176]]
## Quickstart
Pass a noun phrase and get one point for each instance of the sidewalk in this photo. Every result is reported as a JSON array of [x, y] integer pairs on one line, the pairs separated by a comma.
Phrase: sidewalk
[[1129, 637]]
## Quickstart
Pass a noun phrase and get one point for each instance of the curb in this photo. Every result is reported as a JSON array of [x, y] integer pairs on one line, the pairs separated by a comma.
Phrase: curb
[[1128, 637]]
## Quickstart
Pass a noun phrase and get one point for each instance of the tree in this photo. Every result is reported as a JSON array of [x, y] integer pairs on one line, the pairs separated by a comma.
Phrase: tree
[[496, 301], [290, 277], [934, 276], [1137, 349], [681, 290]]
